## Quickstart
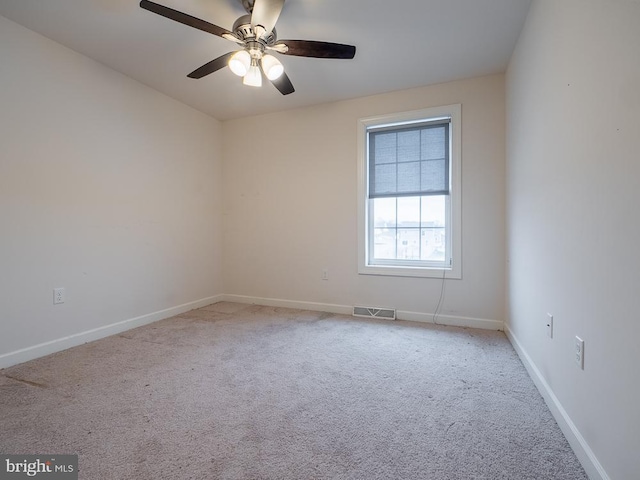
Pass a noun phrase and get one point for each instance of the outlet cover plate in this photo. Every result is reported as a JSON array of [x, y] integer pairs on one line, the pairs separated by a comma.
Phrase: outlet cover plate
[[58, 296]]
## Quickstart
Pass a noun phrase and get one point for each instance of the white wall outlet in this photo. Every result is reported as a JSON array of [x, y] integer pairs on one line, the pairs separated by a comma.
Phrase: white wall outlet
[[325, 274], [579, 352], [58, 295], [549, 325]]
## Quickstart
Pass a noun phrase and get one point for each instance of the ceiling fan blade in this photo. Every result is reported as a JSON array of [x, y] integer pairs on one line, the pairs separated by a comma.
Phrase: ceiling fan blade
[[212, 66], [266, 13], [283, 84], [185, 19], [311, 48]]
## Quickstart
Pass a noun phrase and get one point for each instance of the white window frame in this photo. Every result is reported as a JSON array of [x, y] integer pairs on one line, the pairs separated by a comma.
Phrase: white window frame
[[454, 270]]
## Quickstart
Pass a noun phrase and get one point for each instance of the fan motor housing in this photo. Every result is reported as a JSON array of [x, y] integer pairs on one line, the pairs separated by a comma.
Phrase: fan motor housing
[[242, 27], [243, 30]]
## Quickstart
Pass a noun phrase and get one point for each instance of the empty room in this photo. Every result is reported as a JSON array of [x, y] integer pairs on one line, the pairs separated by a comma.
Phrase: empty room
[[269, 239]]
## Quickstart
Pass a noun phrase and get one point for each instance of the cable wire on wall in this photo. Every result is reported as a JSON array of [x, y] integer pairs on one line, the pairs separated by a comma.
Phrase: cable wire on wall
[[440, 300]]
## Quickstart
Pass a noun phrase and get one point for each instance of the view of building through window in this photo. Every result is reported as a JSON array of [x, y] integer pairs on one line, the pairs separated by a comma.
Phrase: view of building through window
[[410, 228]]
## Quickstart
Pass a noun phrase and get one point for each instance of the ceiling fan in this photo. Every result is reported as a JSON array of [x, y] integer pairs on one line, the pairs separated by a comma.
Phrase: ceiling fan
[[256, 34]]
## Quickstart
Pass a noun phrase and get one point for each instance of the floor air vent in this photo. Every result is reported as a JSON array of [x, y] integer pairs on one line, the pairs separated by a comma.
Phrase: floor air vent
[[371, 312]]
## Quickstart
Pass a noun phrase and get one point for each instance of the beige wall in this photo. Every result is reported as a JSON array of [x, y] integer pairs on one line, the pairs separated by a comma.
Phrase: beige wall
[[107, 188], [290, 205], [120, 195], [573, 96]]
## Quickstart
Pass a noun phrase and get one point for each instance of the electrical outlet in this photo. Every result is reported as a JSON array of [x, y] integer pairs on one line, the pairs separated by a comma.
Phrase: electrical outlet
[[549, 325], [58, 295], [579, 352], [325, 274]]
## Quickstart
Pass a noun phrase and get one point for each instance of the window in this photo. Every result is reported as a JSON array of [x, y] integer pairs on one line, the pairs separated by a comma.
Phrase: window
[[409, 193]]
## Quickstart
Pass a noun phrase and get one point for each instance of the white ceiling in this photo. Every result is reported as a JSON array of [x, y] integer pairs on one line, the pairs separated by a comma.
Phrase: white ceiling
[[400, 44]]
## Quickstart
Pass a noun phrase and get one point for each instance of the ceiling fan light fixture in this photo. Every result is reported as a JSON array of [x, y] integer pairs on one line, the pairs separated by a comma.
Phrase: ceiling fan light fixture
[[240, 63], [272, 67], [253, 78], [255, 33]]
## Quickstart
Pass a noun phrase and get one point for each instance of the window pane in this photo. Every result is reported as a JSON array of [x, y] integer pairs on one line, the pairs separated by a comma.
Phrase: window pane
[[384, 243], [433, 244], [409, 177], [433, 211], [384, 212], [433, 176], [410, 161], [385, 179], [433, 143], [384, 149], [408, 244], [409, 146], [408, 211]]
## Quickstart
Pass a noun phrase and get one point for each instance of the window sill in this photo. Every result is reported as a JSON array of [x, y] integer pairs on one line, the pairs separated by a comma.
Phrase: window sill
[[421, 272]]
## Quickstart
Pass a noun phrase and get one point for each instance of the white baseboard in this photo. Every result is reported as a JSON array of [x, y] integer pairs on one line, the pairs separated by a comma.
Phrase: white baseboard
[[451, 320], [53, 346], [585, 455], [57, 345], [275, 302], [448, 320]]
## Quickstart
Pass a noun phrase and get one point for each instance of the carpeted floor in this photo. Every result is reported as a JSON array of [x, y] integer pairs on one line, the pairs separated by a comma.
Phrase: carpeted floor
[[236, 391]]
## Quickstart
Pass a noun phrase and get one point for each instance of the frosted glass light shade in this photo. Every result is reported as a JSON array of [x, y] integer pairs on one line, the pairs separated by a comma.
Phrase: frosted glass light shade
[[240, 62], [253, 78], [272, 67]]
